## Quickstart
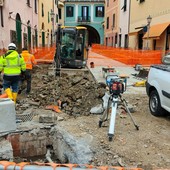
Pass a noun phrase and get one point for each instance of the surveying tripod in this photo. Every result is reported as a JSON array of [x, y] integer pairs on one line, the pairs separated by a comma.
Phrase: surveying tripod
[[116, 87]]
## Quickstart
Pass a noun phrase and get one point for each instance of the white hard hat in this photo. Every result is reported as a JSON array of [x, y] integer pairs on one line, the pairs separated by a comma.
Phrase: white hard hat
[[12, 46]]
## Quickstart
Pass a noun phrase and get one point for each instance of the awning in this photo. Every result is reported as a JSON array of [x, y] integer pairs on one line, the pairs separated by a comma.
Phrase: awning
[[155, 31], [135, 32], [60, 4]]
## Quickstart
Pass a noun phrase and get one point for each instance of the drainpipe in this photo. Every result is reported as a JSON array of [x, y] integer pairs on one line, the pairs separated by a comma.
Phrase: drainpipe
[[129, 21]]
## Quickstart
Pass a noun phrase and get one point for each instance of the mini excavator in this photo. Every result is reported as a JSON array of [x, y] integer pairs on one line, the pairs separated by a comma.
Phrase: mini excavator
[[71, 47]]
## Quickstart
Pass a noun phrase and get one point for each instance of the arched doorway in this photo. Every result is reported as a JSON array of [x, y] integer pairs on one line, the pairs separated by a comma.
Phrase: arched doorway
[[18, 33], [93, 35]]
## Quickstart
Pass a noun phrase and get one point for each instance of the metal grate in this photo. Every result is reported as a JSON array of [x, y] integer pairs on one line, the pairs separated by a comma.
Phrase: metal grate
[[25, 117]]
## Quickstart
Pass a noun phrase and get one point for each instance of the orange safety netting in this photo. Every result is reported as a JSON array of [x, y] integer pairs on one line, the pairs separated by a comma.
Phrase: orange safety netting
[[5, 165], [44, 54], [129, 56], [126, 56]]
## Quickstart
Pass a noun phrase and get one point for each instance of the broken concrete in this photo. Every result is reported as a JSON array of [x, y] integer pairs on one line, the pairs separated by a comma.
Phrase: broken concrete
[[7, 115], [6, 151]]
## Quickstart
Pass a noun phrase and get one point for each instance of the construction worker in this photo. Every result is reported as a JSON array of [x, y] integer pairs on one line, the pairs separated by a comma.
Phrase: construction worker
[[30, 61], [12, 64]]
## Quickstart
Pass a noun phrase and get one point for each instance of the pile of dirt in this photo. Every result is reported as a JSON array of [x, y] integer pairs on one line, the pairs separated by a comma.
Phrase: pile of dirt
[[74, 93]]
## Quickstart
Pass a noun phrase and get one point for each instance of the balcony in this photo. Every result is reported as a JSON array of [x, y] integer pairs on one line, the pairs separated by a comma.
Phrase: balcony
[[84, 19]]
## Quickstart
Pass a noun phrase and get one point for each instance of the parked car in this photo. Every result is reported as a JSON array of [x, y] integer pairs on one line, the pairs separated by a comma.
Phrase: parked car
[[158, 89]]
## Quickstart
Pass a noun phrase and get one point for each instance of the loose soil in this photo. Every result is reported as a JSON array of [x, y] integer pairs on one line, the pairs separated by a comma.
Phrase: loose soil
[[77, 93]]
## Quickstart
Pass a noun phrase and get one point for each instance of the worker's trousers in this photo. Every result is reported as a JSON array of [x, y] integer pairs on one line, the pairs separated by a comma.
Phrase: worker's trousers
[[11, 82], [28, 80]]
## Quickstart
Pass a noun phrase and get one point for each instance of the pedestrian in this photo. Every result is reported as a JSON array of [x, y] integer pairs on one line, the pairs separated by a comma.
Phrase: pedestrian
[[12, 64], [30, 62]]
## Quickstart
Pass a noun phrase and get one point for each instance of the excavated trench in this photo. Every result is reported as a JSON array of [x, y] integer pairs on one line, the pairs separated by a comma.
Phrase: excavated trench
[[38, 136]]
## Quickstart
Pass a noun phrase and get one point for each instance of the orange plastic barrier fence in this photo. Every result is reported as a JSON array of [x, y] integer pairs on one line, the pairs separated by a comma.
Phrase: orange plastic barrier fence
[[128, 56], [44, 54], [6, 164]]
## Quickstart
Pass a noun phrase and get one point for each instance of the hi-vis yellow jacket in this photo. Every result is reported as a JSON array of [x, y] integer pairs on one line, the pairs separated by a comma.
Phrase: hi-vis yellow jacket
[[12, 63], [29, 59]]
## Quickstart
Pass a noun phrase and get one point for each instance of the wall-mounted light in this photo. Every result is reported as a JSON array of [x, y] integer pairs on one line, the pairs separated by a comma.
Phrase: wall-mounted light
[[28, 23], [11, 15]]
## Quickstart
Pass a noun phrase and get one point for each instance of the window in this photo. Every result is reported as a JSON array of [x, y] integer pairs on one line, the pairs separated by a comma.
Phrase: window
[[35, 8], [140, 1], [116, 39], [113, 24], [107, 23], [124, 5], [126, 41], [56, 16], [69, 11], [99, 11], [48, 17], [1, 14], [59, 13], [85, 13], [107, 3], [28, 2], [120, 38], [42, 11]]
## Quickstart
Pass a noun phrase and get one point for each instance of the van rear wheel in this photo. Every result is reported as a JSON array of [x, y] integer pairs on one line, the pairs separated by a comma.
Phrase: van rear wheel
[[155, 104]]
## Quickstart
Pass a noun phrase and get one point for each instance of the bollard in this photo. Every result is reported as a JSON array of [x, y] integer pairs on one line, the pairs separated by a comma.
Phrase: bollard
[[92, 65]]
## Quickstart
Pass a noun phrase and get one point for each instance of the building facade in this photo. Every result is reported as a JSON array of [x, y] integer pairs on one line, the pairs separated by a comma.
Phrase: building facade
[[86, 13], [19, 23], [47, 21], [124, 10], [111, 24], [155, 34]]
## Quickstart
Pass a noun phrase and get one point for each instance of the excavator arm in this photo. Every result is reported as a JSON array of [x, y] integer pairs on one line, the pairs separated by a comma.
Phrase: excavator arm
[[57, 57]]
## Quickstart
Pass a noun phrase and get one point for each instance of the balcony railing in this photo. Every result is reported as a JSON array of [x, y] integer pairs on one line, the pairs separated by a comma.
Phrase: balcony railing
[[84, 19]]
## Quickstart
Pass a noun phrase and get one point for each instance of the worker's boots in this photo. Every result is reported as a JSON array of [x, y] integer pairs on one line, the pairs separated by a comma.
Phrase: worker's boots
[[14, 97], [9, 93]]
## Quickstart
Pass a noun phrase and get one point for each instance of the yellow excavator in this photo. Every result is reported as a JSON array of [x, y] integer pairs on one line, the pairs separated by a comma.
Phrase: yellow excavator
[[71, 47]]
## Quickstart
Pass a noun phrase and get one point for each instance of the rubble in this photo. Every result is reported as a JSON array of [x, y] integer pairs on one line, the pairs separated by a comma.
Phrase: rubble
[[78, 92]]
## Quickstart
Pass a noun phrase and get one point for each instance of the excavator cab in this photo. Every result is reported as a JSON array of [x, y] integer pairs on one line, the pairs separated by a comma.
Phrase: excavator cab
[[73, 47]]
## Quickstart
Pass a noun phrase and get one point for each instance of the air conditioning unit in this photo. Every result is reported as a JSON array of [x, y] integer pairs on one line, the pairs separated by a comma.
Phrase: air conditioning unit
[[1, 2]]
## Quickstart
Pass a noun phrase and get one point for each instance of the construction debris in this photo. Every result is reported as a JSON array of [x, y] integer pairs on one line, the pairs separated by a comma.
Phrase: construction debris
[[140, 84], [71, 94]]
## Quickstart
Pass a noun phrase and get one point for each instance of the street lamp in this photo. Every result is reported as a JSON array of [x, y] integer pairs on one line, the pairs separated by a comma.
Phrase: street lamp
[[149, 19]]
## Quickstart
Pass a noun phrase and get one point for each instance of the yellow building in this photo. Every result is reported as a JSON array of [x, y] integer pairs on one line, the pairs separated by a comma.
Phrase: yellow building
[[48, 17], [149, 24]]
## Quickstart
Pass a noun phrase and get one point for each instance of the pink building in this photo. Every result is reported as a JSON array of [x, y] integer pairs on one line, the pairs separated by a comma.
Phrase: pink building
[[19, 23], [111, 22]]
